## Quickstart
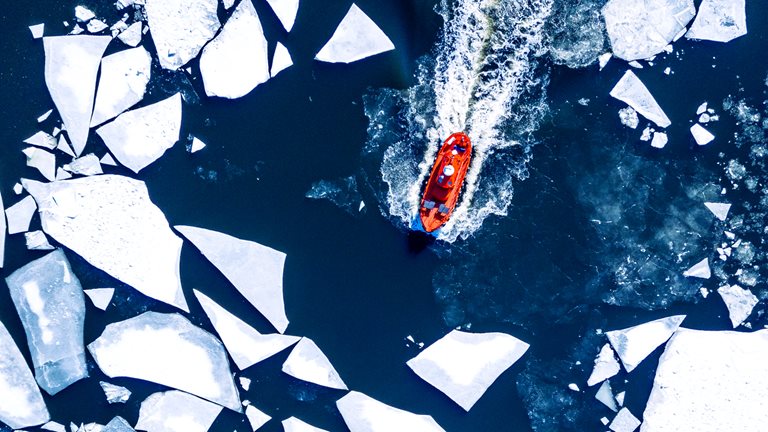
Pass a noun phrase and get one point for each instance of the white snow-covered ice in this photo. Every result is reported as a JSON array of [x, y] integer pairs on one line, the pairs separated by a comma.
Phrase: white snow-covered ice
[[362, 413], [624, 421], [286, 11], [634, 344], [281, 60], [699, 270], [292, 424], [86, 165], [633, 92], [37, 30], [308, 363], [604, 394], [196, 145], [180, 28], [124, 78], [719, 21], [255, 417], [115, 393], [175, 411], [606, 366], [42, 139], [36, 240], [100, 297], [42, 160], [659, 140], [132, 35], [20, 215], [739, 301], [356, 38], [701, 135], [720, 210], [118, 424]]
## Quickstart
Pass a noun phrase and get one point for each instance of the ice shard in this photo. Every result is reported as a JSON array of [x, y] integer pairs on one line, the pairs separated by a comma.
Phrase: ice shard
[[83, 14], [36, 240], [720, 210], [21, 404], [100, 297], [292, 424], [255, 270], [167, 349], [196, 145], [463, 365], [633, 92], [710, 381], [634, 344], [245, 345], [180, 28], [115, 393], [71, 64], [236, 61], [124, 78], [308, 363], [739, 302], [107, 159], [20, 215], [701, 135], [356, 38], [54, 427], [110, 221], [286, 11], [87, 165], [362, 413], [281, 60], [139, 137], [624, 422], [117, 424], [49, 300], [132, 35], [699, 270], [256, 418], [606, 366], [639, 29], [42, 139], [605, 395], [42, 160], [719, 21], [175, 411], [37, 30]]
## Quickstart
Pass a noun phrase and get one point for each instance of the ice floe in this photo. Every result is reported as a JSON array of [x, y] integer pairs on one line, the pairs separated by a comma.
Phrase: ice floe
[[245, 345], [54, 427], [64, 147], [292, 424], [634, 93], [606, 366], [175, 411], [463, 365], [42, 160], [701, 135], [132, 35], [49, 300], [21, 404], [139, 137], [83, 14], [256, 418], [61, 174], [628, 117], [286, 11], [100, 297], [699, 270], [604, 59], [107, 159], [110, 221], [167, 349], [605, 395], [117, 424], [356, 38], [659, 140], [20, 215], [281, 60], [236, 61], [196, 145], [739, 301], [87, 165], [124, 78], [37, 30], [96, 26], [639, 29], [115, 393], [624, 422], [308, 363], [634, 344], [255, 270], [42, 139], [719, 21], [71, 64], [362, 413], [43, 117], [180, 28], [711, 381], [720, 210], [36, 240]]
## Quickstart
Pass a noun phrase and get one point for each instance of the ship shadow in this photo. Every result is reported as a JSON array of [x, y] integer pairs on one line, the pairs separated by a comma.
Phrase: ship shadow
[[418, 241]]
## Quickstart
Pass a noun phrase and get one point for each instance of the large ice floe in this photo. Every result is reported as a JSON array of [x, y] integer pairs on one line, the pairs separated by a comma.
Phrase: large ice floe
[[180, 28], [50, 303], [719, 21], [739, 302], [286, 11], [633, 92], [21, 404], [124, 78], [175, 411], [110, 221], [255, 270], [167, 349], [244, 343], [362, 413], [356, 38], [308, 363], [71, 65], [139, 137], [710, 381], [634, 344], [463, 365], [292, 424], [236, 61], [639, 29]]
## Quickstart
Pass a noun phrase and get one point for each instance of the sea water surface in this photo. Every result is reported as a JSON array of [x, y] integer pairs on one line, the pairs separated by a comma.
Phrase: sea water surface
[[569, 224]]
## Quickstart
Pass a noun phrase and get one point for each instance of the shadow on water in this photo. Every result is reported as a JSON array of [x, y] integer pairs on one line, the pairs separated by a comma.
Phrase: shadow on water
[[418, 241]]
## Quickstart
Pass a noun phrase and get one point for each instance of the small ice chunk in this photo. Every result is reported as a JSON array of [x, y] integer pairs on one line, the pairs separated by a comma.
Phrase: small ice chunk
[[228, 4], [704, 292], [699, 270], [96, 26], [307, 363], [110, 221], [256, 418], [132, 35], [49, 300], [633, 92], [18, 188], [667, 70], [636, 64], [605, 395], [20, 215], [292, 424], [124, 78], [100, 297], [36, 240], [64, 147], [463, 365], [659, 140], [629, 118], [255, 270], [286, 11], [245, 383], [634, 344], [574, 387], [180, 28], [139, 137], [87, 165], [624, 422], [84, 14], [606, 366], [603, 59], [362, 413], [604, 421], [21, 404], [115, 393], [620, 398], [3, 229], [701, 135], [236, 61], [719, 21], [720, 210], [54, 427], [37, 30], [43, 117], [356, 38], [71, 65], [197, 145], [281, 60], [76, 30], [245, 345], [62, 175], [42, 139], [646, 135], [739, 301], [107, 159], [153, 346], [42, 160], [175, 411], [117, 424], [701, 109]]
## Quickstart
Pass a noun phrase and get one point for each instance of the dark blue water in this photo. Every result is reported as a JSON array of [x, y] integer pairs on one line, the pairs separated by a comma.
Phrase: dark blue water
[[573, 225]]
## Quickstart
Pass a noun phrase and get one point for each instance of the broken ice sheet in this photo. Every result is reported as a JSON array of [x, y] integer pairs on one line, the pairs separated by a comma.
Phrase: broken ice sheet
[[362, 413], [20, 215], [292, 424], [180, 28], [281, 60], [308, 363], [606, 366], [100, 297], [124, 78], [36, 240], [633, 92], [196, 145], [624, 422], [115, 393], [167, 349], [286, 11], [356, 38], [110, 221], [463, 365], [699, 270], [175, 411], [634, 344], [720, 210], [719, 21], [739, 301], [42, 160], [49, 300]]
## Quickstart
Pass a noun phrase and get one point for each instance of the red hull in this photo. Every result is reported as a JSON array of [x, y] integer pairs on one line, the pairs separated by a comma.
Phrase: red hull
[[444, 185]]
